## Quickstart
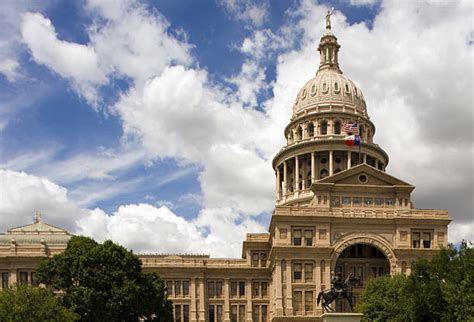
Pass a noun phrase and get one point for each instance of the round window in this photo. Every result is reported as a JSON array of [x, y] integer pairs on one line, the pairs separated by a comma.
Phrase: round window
[[324, 160], [363, 178], [313, 90], [338, 160]]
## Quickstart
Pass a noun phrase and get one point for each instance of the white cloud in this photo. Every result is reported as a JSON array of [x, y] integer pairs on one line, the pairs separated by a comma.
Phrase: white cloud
[[249, 82], [254, 13], [77, 62]]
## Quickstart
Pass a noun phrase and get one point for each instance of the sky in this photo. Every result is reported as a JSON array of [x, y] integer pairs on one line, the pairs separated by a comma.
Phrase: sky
[[154, 123]]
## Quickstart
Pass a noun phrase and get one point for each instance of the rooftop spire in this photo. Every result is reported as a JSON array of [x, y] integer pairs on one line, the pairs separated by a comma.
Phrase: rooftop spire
[[37, 216], [328, 47]]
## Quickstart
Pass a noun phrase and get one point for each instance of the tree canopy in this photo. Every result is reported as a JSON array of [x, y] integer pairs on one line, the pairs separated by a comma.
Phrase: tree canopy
[[105, 282], [438, 290], [28, 304]]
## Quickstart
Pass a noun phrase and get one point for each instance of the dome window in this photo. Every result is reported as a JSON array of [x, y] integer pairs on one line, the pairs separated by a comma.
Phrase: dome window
[[311, 129], [338, 160], [347, 89], [299, 133], [303, 94], [336, 87], [337, 127], [325, 88], [324, 128], [314, 90]]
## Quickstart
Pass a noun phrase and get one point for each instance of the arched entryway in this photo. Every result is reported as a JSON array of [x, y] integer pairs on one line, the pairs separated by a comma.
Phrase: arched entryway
[[363, 257]]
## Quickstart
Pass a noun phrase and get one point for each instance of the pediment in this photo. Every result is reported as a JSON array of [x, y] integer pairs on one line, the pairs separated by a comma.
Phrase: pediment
[[363, 175]]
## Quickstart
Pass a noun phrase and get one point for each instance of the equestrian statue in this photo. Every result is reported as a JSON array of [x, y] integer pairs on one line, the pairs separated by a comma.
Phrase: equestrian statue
[[341, 289]]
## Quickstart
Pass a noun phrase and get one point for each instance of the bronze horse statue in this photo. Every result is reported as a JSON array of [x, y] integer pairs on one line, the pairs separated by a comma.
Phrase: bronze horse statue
[[340, 290]]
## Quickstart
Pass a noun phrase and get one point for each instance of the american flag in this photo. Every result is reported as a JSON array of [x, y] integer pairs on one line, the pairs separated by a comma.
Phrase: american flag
[[351, 128]]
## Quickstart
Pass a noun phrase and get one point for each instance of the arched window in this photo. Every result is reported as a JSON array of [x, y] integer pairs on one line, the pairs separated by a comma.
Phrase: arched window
[[337, 127], [323, 173], [311, 129], [299, 133], [324, 128]]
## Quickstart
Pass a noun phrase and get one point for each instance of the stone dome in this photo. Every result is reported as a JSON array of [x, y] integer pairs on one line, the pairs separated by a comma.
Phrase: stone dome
[[329, 86]]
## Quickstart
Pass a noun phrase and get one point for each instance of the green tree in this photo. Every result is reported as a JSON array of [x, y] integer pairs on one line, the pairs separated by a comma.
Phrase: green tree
[[28, 304], [105, 282], [438, 290]]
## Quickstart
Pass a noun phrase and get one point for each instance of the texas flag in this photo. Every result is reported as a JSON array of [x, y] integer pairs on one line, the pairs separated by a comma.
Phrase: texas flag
[[352, 140]]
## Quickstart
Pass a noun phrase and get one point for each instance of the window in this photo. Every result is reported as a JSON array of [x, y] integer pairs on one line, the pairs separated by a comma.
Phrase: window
[[177, 288], [368, 202], [177, 313], [324, 128], [264, 289], [283, 233], [186, 313], [378, 202], [237, 288], [214, 288], [233, 289], [389, 202], [4, 279], [297, 272], [298, 301], [297, 237], [263, 259], [323, 173], [311, 129], [335, 201], [337, 129], [185, 287], [237, 313], [23, 278], [356, 201], [256, 289], [169, 288], [241, 288], [426, 240], [308, 238], [308, 272], [215, 313], [255, 258], [308, 301], [218, 288], [264, 313], [415, 238]]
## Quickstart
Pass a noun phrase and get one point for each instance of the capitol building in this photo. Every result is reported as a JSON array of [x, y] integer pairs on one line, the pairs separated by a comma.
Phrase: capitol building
[[337, 211]]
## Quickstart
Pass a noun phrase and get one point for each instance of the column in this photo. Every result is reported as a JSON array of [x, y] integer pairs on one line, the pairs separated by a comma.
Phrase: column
[[12, 279], [192, 308], [289, 288], [202, 300], [331, 165], [226, 301], [349, 159], [376, 163], [285, 178], [365, 158], [297, 173], [278, 183], [313, 167], [278, 287], [248, 295], [304, 128]]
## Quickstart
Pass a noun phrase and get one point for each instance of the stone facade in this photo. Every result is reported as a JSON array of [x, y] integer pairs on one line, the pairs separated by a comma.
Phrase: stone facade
[[337, 212]]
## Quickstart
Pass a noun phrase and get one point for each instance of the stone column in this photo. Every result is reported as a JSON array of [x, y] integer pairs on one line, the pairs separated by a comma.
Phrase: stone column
[[192, 290], [248, 293], [13, 278], [304, 128], [331, 161], [202, 300], [226, 301], [313, 167], [349, 159], [278, 183], [278, 287], [289, 288], [297, 173], [376, 163], [365, 158]]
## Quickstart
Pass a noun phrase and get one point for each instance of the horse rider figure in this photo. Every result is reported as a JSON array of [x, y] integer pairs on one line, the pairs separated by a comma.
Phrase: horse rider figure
[[338, 285]]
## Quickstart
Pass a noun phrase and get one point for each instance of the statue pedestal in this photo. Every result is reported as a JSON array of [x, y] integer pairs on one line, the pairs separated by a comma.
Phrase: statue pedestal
[[341, 317]]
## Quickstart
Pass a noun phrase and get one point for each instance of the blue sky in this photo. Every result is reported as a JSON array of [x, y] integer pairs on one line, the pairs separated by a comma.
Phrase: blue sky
[[141, 120]]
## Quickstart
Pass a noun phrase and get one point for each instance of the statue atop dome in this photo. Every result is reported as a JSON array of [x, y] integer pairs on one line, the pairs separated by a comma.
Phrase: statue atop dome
[[328, 18]]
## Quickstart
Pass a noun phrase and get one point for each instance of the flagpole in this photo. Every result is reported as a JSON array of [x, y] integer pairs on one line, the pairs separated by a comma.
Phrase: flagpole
[[360, 137]]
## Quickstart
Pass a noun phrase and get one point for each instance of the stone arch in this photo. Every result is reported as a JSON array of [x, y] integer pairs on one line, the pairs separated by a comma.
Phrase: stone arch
[[368, 239]]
